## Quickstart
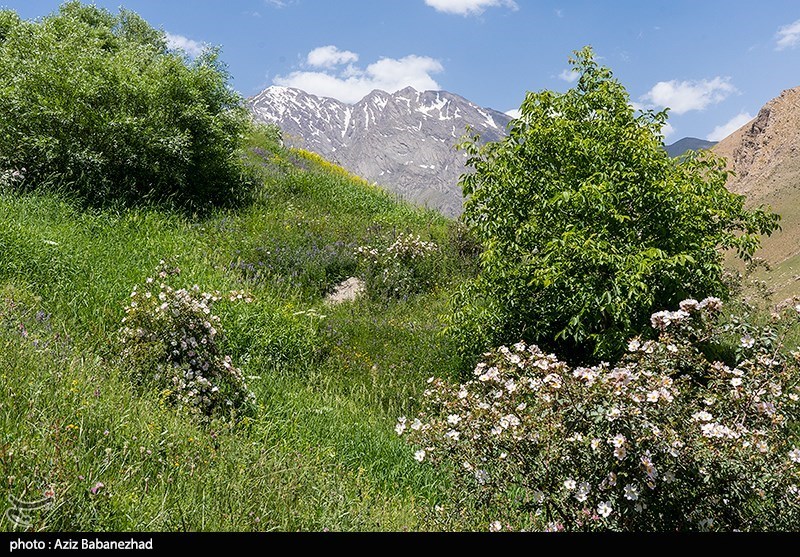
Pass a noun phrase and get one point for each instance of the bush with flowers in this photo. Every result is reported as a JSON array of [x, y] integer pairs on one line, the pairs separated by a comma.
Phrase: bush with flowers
[[171, 340], [668, 438], [404, 268]]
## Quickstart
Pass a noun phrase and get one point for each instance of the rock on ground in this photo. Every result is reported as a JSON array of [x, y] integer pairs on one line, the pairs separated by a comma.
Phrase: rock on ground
[[346, 291]]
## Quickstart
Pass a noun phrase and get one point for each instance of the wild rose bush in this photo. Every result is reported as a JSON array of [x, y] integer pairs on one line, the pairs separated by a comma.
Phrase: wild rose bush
[[404, 268], [665, 439], [171, 340]]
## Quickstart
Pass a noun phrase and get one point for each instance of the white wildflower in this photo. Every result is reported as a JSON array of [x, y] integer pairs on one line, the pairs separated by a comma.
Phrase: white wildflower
[[702, 417], [613, 414], [492, 374], [582, 492], [711, 304], [690, 305], [649, 468], [618, 440], [661, 320], [604, 509]]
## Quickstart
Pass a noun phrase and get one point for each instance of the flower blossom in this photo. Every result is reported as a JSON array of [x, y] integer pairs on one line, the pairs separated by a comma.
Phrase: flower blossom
[[604, 509]]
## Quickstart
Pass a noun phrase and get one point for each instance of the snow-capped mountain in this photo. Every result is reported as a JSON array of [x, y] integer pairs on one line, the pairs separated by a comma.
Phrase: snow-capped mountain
[[403, 141]]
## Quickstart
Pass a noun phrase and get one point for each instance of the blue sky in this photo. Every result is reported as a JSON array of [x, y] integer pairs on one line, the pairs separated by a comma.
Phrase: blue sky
[[715, 63]]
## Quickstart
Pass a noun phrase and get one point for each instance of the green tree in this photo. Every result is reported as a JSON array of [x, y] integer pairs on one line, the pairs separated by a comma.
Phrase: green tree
[[588, 226], [97, 104]]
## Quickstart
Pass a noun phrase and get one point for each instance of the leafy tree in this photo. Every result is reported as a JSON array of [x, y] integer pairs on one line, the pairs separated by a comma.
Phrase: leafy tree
[[588, 226], [97, 103]]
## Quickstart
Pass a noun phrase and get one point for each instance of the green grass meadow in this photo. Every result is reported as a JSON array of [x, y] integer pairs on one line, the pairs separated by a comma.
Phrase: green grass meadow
[[318, 453]]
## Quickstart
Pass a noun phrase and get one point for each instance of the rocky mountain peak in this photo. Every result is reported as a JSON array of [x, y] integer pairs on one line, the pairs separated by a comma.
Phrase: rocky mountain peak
[[765, 144], [403, 141], [765, 156]]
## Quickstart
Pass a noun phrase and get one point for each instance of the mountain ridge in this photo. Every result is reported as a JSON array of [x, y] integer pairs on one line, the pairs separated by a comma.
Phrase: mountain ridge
[[404, 141], [688, 144]]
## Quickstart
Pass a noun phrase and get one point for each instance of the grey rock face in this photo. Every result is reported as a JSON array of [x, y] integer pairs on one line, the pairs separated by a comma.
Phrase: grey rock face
[[403, 141]]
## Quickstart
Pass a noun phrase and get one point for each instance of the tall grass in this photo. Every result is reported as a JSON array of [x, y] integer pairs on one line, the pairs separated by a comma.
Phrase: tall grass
[[318, 453]]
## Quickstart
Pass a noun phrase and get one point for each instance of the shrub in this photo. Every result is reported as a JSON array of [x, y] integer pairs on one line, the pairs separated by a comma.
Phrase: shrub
[[400, 270], [664, 439], [588, 226], [97, 104], [171, 341]]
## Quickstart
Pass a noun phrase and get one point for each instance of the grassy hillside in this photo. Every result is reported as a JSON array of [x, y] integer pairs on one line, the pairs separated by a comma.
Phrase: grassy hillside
[[318, 453]]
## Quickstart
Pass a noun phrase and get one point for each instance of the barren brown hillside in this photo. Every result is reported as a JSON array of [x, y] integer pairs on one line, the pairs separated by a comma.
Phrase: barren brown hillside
[[765, 154]]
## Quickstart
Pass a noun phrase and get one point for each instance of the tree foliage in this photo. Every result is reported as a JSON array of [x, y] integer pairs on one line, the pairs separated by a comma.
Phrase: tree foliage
[[98, 104], [588, 225]]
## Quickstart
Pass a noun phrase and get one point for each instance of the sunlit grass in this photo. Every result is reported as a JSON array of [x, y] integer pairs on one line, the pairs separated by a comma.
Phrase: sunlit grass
[[319, 452]]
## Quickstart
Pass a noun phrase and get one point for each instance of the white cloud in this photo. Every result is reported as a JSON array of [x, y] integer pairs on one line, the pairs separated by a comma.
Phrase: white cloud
[[352, 83], [279, 3], [723, 131], [569, 76], [788, 36], [468, 7], [179, 42], [683, 96], [667, 130], [514, 113], [330, 56]]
